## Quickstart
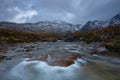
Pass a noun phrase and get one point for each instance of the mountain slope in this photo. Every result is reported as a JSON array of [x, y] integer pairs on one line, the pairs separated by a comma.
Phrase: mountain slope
[[91, 25], [115, 20], [47, 26], [15, 36]]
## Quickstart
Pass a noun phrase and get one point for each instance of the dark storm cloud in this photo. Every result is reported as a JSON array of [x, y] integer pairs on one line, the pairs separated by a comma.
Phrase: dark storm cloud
[[74, 11]]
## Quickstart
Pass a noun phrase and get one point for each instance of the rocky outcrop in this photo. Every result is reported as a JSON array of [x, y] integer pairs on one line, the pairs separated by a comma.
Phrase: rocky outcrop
[[91, 25], [115, 20], [58, 59], [2, 57], [97, 24], [66, 61], [100, 50]]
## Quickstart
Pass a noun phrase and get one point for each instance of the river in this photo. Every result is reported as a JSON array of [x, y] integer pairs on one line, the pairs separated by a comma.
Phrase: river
[[86, 67]]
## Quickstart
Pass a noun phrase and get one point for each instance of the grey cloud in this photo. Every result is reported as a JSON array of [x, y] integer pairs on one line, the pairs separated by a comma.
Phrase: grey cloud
[[74, 11]]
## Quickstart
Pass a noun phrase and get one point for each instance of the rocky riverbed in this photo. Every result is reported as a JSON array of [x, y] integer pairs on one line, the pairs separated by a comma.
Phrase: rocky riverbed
[[57, 61]]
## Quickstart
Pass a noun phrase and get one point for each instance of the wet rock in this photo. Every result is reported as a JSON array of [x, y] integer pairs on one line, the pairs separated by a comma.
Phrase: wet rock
[[58, 59], [2, 57], [7, 58], [45, 57], [64, 62], [4, 49], [25, 50], [100, 50], [67, 60], [28, 50], [28, 47], [21, 50], [73, 56]]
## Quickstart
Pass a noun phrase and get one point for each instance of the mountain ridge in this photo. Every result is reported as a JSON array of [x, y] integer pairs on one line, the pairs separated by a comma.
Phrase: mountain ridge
[[48, 26], [58, 26], [97, 24]]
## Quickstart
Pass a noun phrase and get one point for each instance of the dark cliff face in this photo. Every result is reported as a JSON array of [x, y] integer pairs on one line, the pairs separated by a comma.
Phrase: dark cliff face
[[115, 20], [91, 25], [86, 26]]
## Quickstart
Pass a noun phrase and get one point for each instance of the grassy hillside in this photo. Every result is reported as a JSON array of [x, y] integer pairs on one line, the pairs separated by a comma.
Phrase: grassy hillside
[[109, 36], [20, 36]]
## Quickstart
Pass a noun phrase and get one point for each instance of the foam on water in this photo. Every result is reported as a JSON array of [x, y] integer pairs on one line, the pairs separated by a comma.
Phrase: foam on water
[[38, 70]]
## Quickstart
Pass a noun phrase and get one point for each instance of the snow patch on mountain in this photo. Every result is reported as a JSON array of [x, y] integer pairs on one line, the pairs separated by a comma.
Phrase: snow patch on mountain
[[48, 26], [115, 20], [90, 25]]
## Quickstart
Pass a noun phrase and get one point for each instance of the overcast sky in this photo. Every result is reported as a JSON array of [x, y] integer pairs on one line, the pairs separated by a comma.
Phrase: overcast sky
[[73, 11]]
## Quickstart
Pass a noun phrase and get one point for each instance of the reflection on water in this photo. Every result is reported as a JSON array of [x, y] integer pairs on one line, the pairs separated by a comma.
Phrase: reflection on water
[[87, 67]]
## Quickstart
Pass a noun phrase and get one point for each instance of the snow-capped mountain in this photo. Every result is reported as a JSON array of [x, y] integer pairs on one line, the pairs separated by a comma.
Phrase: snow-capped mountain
[[48, 26], [60, 26], [91, 25], [56, 26], [115, 20]]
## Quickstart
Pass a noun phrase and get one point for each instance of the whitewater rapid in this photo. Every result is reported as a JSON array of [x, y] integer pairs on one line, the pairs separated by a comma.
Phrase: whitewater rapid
[[26, 65], [38, 70]]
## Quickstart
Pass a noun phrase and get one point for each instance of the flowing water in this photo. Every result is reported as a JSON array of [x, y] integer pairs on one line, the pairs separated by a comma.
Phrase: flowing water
[[87, 67]]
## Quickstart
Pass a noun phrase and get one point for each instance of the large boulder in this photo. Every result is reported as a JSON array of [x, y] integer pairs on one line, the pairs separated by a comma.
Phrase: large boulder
[[57, 59], [63, 62], [2, 57], [100, 50], [66, 61]]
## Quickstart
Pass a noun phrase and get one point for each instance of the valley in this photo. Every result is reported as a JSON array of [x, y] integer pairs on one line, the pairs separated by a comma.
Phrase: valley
[[60, 51]]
